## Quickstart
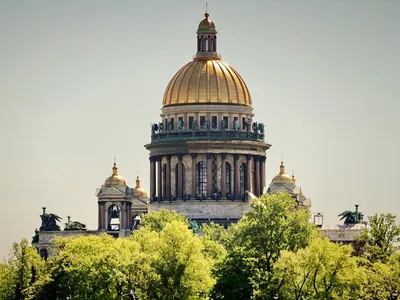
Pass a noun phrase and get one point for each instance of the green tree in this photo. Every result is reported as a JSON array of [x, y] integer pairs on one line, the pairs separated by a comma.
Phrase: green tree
[[158, 220], [378, 242], [323, 270], [383, 279], [180, 269], [23, 268], [214, 238], [272, 224]]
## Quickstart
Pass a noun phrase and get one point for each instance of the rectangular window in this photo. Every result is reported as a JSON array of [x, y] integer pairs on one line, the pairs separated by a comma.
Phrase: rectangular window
[[214, 122], [243, 123], [191, 121], [172, 123], [202, 122], [226, 122]]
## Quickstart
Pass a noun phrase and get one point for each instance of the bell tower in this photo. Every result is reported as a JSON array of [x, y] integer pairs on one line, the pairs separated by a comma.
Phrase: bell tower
[[115, 205]]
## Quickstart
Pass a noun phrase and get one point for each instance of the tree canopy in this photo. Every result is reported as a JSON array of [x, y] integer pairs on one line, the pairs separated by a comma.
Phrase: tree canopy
[[273, 251]]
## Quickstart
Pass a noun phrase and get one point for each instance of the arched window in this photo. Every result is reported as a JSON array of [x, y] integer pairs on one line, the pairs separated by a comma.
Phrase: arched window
[[243, 172], [212, 44], [206, 45], [177, 179], [113, 218], [228, 178], [201, 179], [198, 44]]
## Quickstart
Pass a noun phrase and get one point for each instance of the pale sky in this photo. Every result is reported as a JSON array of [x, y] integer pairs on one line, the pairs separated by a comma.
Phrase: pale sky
[[80, 82]]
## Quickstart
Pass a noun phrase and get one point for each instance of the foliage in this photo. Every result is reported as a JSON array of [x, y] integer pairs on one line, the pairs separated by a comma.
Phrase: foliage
[[272, 224], [164, 265], [21, 271], [323, 270], [214, 239], [378, 242], [158, 220], [383, 279]]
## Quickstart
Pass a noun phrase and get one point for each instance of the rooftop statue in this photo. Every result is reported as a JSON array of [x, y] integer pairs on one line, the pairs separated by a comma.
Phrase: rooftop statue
[[351, 217], [49, 221], [74, 225], [35, 238]]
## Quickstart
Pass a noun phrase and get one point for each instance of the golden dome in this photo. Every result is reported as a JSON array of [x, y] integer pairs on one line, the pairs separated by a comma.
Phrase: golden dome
[[204, 81], [282, 177], [139, 191], [206, 25], [114, 179]]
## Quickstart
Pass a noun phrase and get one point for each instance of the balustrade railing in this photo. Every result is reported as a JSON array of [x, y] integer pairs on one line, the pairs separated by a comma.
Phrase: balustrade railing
[[205, 134]]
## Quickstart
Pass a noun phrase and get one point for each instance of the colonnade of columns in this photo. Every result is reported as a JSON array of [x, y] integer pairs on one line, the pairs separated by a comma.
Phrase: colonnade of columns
[[160, 186]]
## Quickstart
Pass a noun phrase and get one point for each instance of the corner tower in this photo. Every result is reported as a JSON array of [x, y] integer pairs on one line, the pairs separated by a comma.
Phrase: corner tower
[[207, 150]]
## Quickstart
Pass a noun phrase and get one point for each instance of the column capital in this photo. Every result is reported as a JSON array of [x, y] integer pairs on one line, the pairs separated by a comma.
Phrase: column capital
[[168, 156], [180, 156], [209, 155], [257, 158], [248, 156], [153, 158], [263, 158], [223, 155], [236, 156], [159, 158], [194, 155]]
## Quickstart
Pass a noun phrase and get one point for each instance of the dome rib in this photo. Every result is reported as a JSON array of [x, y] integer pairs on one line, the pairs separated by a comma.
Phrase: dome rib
[[216, 81]]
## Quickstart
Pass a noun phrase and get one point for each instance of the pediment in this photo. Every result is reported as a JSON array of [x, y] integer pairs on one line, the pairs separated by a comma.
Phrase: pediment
[[111, 191], [137, 202]]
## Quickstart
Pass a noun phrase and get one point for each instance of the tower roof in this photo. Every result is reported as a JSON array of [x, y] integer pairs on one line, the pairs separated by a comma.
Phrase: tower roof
[[282, 177], [206, 25], [115, 179], [207, 79]]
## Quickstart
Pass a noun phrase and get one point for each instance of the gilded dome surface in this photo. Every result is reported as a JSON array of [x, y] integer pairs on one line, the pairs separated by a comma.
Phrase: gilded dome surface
[[139, 191], [206, 24], [282, 177], [205, 81], [115, 179]]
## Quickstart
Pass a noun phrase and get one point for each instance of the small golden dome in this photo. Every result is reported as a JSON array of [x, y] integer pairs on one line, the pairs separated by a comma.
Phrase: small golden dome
[[282, 177], [203, 81], [139, 191], [206, 25], [114, 179]]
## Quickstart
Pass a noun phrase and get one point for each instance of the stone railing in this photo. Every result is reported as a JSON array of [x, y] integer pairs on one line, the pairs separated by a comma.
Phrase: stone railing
[[205, 134]]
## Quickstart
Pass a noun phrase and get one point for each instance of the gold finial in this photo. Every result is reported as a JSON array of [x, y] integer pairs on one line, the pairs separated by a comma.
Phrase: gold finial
[[115, 169], [281, 168], [137, 182]]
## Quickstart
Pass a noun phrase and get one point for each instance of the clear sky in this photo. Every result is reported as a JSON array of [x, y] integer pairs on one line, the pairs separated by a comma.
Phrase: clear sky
[[80, 82]]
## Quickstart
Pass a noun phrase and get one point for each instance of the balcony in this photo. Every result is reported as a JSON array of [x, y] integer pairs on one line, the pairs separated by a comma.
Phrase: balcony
[[204, 134]]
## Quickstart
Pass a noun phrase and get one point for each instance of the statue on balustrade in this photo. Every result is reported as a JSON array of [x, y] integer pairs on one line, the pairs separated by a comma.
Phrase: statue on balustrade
[[261, 128], [235, 125], [223, 124], [160, 127], [180, 125], [154, 128], [255, 126]]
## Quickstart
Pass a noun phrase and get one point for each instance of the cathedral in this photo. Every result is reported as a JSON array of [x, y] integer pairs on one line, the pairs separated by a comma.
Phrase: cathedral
[[207, 154]]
